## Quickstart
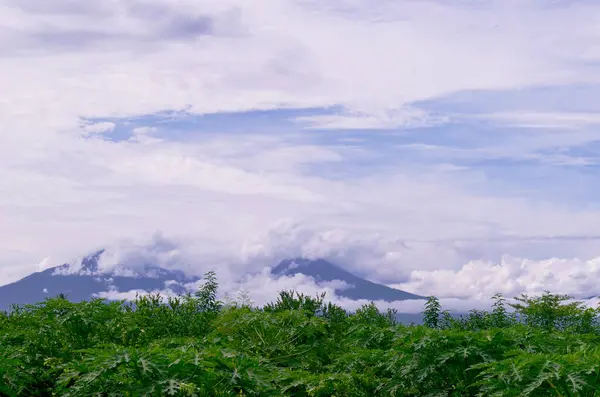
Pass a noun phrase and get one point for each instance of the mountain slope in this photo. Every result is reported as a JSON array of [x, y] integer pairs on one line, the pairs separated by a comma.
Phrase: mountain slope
[[84, 282], [87, 282], [322, 270]]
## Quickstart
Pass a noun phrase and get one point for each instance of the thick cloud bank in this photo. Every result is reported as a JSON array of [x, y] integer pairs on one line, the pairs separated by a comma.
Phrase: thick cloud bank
[[405, 140], [467, 287]]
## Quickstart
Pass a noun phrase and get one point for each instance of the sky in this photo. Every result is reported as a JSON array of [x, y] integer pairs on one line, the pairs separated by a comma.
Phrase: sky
[[446, 147]]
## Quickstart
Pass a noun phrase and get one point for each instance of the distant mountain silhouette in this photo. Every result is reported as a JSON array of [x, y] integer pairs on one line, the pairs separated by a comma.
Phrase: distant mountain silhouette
[[322, 270], [87, 282]]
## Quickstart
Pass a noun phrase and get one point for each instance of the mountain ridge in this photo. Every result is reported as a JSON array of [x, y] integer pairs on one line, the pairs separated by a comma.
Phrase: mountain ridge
[[88, 281], [84, 281], [360, 288]]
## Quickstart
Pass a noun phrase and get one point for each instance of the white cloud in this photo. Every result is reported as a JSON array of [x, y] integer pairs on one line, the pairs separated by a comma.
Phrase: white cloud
[[143, 130], [46, 263], [144, 136], [547, 139], [62, 196], [290, 52], [546, 120], [113, 294], [373, 257], [261, 288], [98, 128], [511, 276], [374, 119]]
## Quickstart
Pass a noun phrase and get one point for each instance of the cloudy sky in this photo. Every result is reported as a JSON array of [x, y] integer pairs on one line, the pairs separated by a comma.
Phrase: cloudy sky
[[447, 147]]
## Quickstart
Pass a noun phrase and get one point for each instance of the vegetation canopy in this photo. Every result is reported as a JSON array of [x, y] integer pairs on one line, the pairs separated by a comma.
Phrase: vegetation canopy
[[196, 345]]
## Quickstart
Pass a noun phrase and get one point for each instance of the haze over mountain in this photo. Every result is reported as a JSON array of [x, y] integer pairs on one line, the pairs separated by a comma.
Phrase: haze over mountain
[[77, 287], [358, 288], [87, 281]]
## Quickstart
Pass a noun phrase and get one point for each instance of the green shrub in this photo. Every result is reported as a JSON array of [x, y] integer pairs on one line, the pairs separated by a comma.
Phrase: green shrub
[[193, 345]]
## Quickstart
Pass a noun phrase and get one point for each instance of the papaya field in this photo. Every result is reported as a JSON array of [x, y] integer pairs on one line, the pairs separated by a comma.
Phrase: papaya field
[[196, 345]]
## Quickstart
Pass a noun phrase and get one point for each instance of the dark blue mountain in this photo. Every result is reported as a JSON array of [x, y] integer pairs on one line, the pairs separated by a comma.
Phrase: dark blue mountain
[[322, 270], [88, 281]]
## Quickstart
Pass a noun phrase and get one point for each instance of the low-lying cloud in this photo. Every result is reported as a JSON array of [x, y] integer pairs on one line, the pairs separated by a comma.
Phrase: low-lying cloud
[[473, 283]]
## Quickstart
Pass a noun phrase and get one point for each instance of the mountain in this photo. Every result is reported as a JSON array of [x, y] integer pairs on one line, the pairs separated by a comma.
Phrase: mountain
[[88, 281], [322, 270]]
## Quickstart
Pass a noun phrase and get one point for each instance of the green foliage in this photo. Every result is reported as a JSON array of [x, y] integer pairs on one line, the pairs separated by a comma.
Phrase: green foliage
[[431, 315], [292, 300], [207, 295], [194, 345], [550, 312]]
